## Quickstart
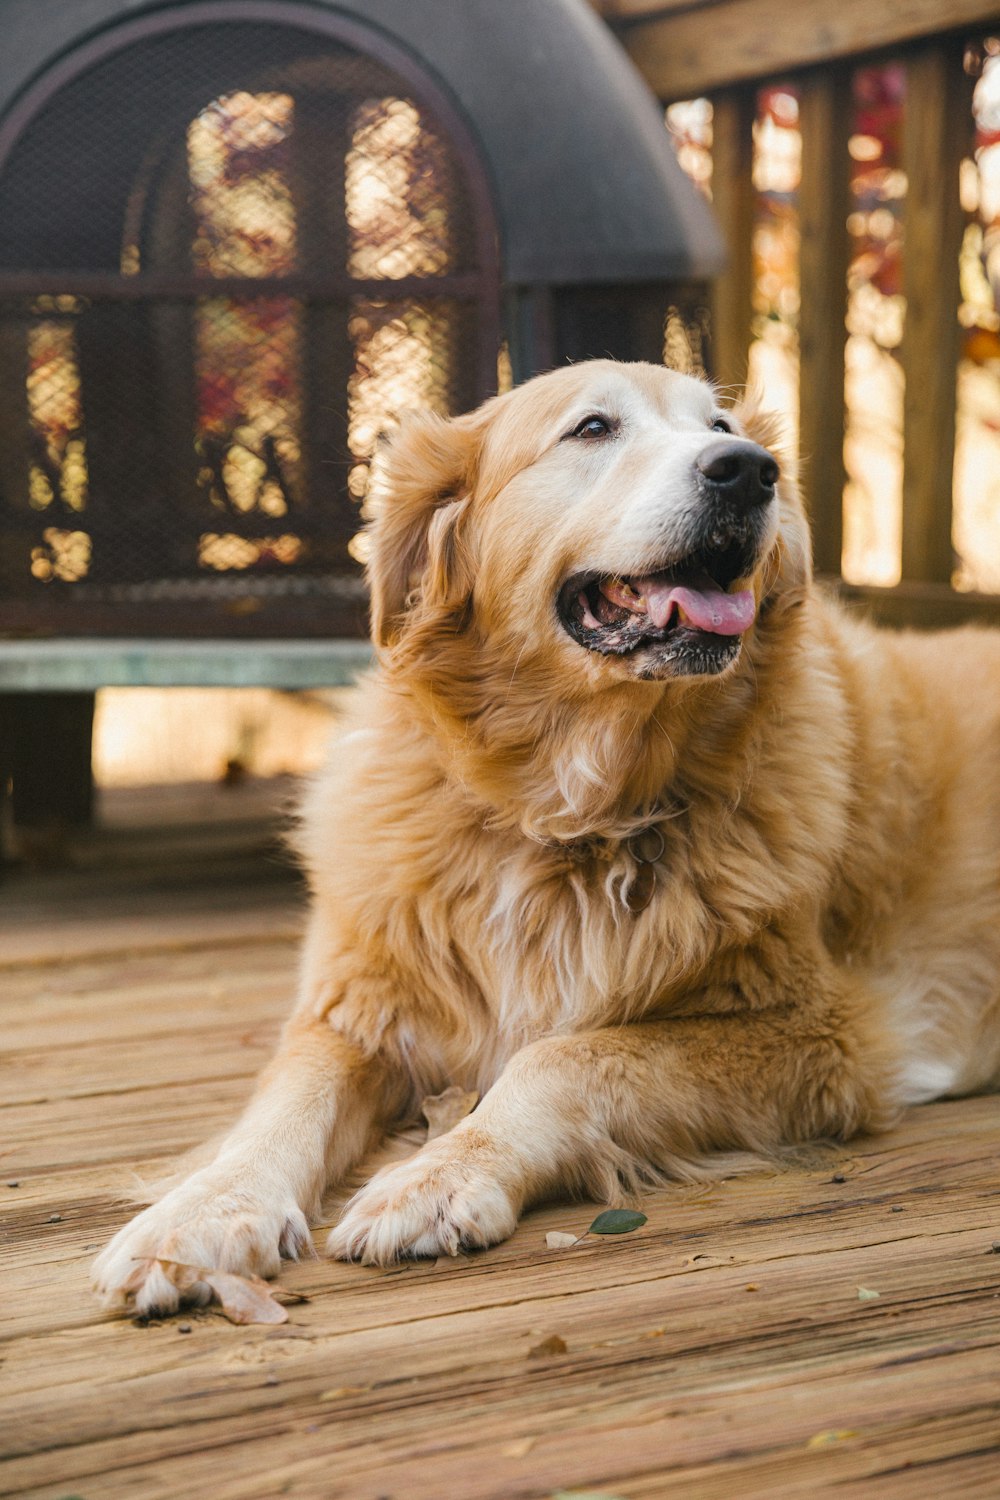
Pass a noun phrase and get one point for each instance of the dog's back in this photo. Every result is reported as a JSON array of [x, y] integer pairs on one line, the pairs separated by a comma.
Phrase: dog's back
[[926, 882]]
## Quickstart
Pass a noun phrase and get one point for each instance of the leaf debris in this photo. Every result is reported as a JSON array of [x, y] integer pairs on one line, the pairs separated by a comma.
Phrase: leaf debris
[[519, 1448], [242, 1299], [704, 1260], [552, 1345], [835, 1435], [583, 1495], [617, 1221], [611, 1221], [442, 1111]]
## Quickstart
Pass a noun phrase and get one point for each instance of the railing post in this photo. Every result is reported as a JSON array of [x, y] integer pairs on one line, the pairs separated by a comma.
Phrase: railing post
[[733, 199], [937, 134], [825, 122]]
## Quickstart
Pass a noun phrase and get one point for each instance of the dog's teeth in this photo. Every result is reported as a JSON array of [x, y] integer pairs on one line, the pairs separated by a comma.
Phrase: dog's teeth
[[588, 615], [619, 591]]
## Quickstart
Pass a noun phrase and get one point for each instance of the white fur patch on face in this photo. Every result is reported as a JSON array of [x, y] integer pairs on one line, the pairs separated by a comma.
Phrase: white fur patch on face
[[656, 549], [646, 506], [607, 486]]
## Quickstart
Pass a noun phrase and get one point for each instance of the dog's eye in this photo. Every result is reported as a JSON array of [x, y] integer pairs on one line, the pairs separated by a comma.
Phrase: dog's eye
[[721, 425], [592, 427]]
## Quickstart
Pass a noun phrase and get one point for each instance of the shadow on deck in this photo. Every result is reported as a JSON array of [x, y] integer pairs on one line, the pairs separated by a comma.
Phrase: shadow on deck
[[724, 1349]]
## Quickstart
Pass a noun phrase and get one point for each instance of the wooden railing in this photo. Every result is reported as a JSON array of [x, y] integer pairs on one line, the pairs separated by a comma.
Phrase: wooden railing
[[728, 49]]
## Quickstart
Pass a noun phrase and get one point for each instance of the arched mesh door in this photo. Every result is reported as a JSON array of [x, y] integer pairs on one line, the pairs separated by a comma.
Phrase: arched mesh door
[[233, 251]]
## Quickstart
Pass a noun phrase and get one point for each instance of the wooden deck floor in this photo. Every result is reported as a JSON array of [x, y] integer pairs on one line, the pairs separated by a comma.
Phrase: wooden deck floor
[[723, 1350]]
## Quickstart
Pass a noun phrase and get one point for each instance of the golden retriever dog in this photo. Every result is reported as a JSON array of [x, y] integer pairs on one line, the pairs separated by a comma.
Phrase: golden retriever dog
[[631, 831]]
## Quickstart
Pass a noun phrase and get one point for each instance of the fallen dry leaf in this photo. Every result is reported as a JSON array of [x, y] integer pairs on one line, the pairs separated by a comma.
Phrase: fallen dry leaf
[[556, 1240], [552, 1345], [442, 1111], [242, 1299], [519, 1448], [245, 1299]]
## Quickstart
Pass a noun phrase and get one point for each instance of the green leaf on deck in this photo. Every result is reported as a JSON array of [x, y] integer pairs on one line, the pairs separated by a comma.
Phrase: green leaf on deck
[[617, 1221]]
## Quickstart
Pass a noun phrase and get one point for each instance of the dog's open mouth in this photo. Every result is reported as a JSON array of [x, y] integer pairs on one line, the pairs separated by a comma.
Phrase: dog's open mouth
[[693, 608]]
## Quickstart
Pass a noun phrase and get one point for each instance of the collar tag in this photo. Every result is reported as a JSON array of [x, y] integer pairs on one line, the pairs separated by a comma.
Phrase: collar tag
[[641, 888], [646, 846]]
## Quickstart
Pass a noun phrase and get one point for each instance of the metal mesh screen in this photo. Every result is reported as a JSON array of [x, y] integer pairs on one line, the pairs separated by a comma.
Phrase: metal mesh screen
[[651, 322], [235, 253]]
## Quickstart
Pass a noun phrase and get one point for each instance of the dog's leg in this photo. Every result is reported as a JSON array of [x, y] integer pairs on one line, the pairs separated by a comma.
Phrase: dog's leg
[[588, 1113], [310, 1120]]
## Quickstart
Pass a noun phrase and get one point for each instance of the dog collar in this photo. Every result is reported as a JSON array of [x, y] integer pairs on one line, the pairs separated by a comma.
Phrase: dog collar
[[646, 848]]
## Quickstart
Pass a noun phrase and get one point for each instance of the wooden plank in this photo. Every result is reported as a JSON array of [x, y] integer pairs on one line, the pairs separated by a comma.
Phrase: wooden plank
[[940, 1150], [138, 975], [923, 605], [733, 199], [937, 134], [915, 1269], [720, 1350], [422, 1433], [58, 1026], [911, 1190], [188, 1055], [145, 931], [825, 116], [62, 1039], [694, 1366], [690, 53], [171, 1118]]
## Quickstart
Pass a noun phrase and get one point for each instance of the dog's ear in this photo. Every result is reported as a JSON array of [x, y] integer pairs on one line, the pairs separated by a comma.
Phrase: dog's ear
[[418, 559], [794, 540]]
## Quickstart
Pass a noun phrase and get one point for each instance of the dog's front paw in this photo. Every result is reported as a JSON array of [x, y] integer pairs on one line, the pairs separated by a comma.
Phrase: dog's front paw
[[209, 1223], [445, 1199]]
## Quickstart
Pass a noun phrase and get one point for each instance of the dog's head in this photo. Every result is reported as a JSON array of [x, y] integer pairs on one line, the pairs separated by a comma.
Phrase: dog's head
[[614, 519]]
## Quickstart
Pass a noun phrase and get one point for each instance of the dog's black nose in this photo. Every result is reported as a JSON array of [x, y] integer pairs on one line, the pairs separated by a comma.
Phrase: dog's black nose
[[738, 471]]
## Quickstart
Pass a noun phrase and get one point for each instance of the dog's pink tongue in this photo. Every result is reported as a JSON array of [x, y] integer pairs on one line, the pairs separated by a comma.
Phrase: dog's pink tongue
[[707, 607]]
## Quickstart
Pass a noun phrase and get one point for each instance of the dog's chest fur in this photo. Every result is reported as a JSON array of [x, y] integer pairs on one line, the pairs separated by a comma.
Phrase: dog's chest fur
[[470, 940], [501, 939]]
